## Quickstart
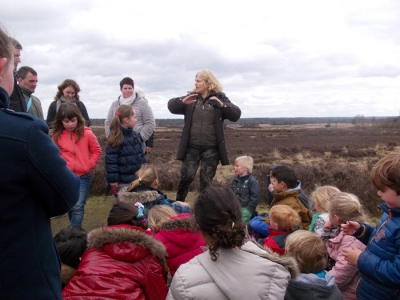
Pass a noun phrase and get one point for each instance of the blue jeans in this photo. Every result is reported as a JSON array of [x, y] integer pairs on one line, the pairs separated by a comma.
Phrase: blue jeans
[[75, 214]]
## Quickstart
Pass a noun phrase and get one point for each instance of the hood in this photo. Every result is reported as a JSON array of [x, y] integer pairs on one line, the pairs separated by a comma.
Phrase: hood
[[296, 187], [133, 197], [127, 243], [311, 278], [4, 98]]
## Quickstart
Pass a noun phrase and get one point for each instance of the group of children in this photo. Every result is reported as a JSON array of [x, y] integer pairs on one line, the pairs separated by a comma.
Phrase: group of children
[[330, 246]]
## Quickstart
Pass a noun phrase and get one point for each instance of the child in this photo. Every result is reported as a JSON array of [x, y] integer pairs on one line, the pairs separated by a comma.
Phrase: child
[[124, 153], [283, 220], [287, 191], [246, 187], [178, 233], [80, 148], [311, 255], [71, 244], [343, 207], [144, 190], [379, 264], [320, 198], [123, 260]]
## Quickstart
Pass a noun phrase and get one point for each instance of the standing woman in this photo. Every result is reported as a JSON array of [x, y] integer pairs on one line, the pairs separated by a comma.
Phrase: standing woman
[[205, 108], [68, 92]]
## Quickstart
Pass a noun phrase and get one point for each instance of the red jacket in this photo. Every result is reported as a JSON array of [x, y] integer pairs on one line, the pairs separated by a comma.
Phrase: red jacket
[[276, 240], [122, 262], [83, 156], [182, 240]]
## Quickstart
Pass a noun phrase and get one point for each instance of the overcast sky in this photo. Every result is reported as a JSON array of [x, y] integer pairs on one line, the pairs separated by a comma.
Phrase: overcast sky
[[273, 58]]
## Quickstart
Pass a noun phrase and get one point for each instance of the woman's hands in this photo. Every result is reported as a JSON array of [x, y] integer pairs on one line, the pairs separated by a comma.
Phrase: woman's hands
[[190, 99], [215, 99]]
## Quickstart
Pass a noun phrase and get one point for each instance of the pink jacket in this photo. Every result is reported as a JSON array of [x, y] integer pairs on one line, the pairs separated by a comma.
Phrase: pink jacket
[[345, 274], [83, 156]]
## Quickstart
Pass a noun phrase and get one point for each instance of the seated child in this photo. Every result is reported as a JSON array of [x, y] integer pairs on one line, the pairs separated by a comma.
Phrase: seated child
[[246, 187], [144, 190], [319, 198], [379, 263], [71, 244], [179, 234], [283, 220], [343, 207], [287, 191], [123, 260], [311, 255]]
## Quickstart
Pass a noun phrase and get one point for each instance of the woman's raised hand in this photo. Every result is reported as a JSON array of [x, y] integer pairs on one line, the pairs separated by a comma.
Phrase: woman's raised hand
[[190, 99]]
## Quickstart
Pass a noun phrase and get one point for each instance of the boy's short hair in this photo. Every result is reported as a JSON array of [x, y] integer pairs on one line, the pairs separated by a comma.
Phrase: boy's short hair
[[386, 173], [285, 217], [245, 162], [308, 249], [286, 174]]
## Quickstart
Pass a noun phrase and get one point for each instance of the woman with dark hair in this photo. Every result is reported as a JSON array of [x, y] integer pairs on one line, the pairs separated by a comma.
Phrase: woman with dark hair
[[68, 92], [123, 260], [230, 269]]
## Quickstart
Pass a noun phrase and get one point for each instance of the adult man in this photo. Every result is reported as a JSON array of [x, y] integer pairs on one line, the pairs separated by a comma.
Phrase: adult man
[[17, 100], [27, 80]]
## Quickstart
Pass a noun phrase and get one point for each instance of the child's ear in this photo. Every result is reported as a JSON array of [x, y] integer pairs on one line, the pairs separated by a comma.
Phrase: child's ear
[[155, 184]]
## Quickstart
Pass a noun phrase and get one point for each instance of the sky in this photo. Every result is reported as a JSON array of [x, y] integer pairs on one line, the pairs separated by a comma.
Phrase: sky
[[273, 58]]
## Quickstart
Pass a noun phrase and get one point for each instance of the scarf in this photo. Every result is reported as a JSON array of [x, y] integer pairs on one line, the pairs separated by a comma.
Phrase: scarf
[[65, 100], [127, 101]]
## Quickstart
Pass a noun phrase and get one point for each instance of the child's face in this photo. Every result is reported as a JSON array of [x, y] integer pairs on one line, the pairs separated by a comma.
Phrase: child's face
[[70, 124], [239, 170], [390, 197], [130, 122], [278, 186]]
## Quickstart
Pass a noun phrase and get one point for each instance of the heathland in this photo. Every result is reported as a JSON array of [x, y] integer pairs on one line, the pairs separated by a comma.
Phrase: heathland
[[340, 154]]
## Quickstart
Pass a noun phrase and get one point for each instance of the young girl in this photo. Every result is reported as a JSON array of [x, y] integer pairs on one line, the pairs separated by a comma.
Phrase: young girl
[[283, 220], [124, 153], [80, 148], [178, 233], [319, 198], [123, 260], [144, 190], [343, 207]]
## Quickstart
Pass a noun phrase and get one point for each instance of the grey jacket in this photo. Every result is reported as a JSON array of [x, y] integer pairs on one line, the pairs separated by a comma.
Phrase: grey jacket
[[145, 124], [247, 273]]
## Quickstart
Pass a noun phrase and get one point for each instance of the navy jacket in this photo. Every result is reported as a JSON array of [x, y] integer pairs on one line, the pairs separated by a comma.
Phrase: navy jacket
[[123, 161], [248, 191], [379, 264], [35, 185]]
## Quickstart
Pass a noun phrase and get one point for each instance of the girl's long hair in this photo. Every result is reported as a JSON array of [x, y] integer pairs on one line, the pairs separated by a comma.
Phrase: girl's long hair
[[67, 111], [116, 135], [145, 176]]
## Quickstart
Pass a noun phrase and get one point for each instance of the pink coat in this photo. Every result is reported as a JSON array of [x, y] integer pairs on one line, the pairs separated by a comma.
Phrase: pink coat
[[182, 240], [345, 274]]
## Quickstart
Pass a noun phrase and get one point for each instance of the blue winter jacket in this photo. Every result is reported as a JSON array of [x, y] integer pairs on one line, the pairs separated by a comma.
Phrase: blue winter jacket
[[123, 161], [247, 189], [35, 185], [379, 264]]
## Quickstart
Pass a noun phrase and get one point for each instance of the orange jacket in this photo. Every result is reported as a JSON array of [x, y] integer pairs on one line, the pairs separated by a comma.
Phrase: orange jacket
[[83, 156]]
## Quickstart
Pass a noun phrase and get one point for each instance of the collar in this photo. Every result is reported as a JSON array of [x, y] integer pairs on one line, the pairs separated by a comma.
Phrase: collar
[[4, 98]]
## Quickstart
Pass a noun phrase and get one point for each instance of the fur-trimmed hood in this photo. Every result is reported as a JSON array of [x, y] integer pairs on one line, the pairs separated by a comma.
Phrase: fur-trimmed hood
[[286, 261], [133, 197], [67, 273], [181, 221], [127, 243]]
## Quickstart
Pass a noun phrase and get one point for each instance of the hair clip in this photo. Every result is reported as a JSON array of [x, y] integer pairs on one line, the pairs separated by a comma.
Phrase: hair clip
[[117, 114], [233, 224], [140, 209]]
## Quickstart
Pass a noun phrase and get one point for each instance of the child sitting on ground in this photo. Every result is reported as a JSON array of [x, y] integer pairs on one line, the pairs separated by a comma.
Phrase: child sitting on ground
[[379, 264], [287, 191], [319, 198], [71, 244], [311, 255], [144, 190], [123, 260], [246, 187], [179, 234], [343, 207], [283, 220]]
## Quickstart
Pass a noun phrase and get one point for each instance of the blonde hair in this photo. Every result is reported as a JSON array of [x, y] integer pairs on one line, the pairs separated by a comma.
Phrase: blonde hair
[[209, 78], [159, 214], [116, 135], [308, 249], [245, 162], [322, 194], [285, 217], [145, 176], [346, 207]]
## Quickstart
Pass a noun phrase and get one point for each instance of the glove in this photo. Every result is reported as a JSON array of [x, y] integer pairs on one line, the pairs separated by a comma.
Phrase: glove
[[214, 103]]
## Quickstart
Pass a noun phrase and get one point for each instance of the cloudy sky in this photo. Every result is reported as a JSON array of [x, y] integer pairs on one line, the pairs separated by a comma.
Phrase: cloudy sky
[[273, 58]]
